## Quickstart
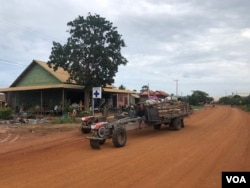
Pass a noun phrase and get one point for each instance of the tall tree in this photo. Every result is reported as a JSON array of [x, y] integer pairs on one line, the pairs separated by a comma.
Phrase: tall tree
[[91, 55], [122, 87], [199, 97], [144, 88]]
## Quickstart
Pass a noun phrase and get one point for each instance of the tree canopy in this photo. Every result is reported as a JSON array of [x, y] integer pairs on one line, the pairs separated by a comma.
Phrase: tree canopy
[[122, 87], [144, 88], [92, 53], [199, 97]]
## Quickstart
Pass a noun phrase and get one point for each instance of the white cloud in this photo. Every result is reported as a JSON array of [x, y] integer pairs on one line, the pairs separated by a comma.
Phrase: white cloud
[[246, 33]]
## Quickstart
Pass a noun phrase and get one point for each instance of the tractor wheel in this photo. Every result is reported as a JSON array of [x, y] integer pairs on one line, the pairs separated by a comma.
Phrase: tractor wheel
[[177, 123], [119, 137], [157, 126]]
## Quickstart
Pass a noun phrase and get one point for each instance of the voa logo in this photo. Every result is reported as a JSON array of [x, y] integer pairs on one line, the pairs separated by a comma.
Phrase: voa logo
[[236, 179]]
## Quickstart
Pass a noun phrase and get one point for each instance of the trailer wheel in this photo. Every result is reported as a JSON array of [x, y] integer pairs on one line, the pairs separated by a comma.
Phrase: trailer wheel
[[157, 126], [119, 137], [182, 123], [177, 123]]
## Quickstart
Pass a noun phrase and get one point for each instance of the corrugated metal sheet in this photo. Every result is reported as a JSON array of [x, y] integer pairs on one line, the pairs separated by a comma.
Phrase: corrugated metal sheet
[[114, 90], [25, 88], [135, 95]]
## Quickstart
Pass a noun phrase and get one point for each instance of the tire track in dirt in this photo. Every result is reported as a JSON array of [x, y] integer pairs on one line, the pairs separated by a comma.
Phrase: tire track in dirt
[[8, 137]]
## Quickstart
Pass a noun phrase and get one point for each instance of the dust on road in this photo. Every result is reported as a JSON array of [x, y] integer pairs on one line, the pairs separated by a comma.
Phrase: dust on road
[[213, 140]]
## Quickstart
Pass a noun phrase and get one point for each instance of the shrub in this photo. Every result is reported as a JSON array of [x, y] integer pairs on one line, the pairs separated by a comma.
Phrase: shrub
[[85, 113], [245, 107], [6, 113], [31, 112]]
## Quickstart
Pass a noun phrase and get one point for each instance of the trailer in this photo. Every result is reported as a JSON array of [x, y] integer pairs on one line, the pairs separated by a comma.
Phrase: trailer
[[169, 113], [157, 113]]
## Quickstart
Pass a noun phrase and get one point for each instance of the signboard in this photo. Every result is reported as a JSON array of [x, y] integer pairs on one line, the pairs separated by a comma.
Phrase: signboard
[[97, 92]]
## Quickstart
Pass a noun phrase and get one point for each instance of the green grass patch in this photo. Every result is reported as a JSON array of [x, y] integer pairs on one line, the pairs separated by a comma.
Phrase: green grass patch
[[245, 108]]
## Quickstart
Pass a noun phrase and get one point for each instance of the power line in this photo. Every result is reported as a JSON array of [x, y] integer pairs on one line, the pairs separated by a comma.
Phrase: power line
[[25, 29], [12, 62]]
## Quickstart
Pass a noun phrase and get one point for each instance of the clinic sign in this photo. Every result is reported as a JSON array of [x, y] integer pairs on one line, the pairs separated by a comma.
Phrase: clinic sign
[[97, 92]]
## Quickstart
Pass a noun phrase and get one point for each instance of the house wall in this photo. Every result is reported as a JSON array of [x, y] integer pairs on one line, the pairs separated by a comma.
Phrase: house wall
[[46, 98], [27, 99], [37, 76]]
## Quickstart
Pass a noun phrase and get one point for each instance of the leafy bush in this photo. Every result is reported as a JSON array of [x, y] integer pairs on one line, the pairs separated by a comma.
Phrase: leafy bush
[[31, 112], [245, 107], [85, 113], [6, 113]]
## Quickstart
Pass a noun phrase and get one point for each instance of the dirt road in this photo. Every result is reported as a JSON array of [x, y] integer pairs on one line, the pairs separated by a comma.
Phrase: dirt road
[[213, 140]]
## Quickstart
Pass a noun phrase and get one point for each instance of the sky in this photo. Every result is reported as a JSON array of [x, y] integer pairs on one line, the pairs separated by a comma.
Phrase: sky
[[177, 46]]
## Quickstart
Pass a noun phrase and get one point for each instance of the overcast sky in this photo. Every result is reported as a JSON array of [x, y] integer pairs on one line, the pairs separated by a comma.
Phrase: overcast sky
[[205, 45]]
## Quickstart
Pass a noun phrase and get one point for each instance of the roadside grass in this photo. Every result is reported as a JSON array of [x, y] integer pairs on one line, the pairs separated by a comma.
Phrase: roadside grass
[[196, 108], [65, 119], [245, 108]]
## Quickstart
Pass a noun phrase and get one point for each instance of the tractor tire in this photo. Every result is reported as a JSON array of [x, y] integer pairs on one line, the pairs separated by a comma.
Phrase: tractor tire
[[119, 137], [157, 126], [177, 124]]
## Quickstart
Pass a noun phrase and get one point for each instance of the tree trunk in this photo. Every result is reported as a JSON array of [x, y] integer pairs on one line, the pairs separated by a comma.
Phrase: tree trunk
[[86, 99]]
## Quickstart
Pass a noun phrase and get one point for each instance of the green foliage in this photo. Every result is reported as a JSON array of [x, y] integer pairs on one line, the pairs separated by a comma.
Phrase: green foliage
[[67, 107], [235, 100], [92, 53], [199, 98], [6, 113], [144, 88], [85, 113], [196, 107], [122, 87], [31, 112], [245, 107]]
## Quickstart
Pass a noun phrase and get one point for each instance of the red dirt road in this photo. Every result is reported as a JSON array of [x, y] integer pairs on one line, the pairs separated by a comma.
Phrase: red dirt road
[[213, 140]]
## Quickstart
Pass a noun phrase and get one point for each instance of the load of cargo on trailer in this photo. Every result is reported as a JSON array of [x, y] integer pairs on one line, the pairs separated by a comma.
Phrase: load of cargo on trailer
[[156, 114], [167, 112]]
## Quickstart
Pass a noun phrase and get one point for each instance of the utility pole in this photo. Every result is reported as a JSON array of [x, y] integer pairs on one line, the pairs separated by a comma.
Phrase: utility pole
[[148, 91], [176, 87]]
